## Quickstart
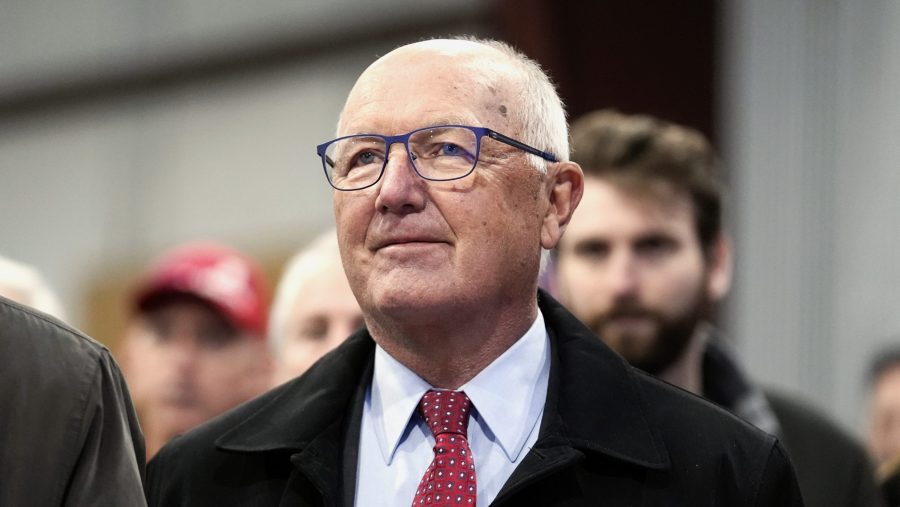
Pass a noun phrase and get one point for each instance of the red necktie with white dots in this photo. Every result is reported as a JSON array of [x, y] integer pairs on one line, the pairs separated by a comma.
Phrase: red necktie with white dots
[[450, 478]]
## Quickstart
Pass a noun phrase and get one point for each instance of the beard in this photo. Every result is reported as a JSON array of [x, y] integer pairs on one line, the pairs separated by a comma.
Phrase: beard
[[665, 338]]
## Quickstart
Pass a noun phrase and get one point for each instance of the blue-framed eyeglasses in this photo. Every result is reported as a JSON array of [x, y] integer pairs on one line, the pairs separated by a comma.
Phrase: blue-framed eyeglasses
[[437, 153]]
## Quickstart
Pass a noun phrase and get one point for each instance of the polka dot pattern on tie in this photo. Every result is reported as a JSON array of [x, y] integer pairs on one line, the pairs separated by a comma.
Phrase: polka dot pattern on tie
[[450, 479]]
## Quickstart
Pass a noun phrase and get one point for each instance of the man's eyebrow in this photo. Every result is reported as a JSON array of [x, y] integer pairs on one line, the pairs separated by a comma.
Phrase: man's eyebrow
[[656, 233], [589, 241]]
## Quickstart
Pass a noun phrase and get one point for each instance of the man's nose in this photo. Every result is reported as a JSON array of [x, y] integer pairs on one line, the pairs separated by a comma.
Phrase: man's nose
[[623, 275], [400, 189], [183, 351]]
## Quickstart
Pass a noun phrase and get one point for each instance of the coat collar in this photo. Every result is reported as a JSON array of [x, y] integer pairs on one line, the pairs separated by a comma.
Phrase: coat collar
[[726, 385], [301, 410], [595, 401]]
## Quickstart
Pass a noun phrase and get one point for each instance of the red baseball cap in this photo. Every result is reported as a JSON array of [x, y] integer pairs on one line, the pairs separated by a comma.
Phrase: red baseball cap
[[229, 281]]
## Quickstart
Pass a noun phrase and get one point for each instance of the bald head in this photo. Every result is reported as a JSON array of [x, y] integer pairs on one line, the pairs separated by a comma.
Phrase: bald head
[[461, 67], [512, 93], [464, 51]]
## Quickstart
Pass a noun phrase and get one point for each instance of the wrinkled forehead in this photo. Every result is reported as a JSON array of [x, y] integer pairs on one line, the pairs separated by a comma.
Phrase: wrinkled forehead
[[431, 79]]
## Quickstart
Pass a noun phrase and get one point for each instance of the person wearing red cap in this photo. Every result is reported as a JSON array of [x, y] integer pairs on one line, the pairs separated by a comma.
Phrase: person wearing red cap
[[195, 346]]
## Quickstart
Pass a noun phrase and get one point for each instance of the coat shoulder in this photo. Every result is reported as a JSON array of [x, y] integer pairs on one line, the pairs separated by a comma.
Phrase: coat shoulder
[[838, 473], [676, 410], [32, 338], [708, 445]]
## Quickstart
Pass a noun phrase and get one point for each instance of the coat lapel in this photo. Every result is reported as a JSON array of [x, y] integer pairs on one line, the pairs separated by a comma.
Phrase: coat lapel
[[317, 467], [308, 421]]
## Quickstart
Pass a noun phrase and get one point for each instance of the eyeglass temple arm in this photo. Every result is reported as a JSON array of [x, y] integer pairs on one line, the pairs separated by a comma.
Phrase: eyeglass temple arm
[[522, 146]]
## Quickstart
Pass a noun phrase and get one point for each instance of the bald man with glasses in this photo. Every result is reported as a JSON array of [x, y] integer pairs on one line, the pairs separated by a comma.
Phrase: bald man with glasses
[[468, 386]]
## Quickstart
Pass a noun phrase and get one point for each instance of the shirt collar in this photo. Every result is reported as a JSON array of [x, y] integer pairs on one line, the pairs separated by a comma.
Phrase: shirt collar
[[510, 413], [396, 392]]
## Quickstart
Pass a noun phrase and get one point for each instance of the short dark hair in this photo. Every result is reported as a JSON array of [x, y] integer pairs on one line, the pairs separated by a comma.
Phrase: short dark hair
[[642, 151], [885, 359]]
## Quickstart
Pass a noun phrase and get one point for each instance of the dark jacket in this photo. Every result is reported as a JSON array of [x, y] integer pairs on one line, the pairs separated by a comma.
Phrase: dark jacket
[[832, 468], [610, 436], [68, 432]]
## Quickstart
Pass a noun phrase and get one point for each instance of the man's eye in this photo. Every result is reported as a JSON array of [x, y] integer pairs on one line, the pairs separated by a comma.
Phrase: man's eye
[[366, 158], [655, 246], [452, 150], [217, 339], [159, 329], [313, 330], [592, 250]]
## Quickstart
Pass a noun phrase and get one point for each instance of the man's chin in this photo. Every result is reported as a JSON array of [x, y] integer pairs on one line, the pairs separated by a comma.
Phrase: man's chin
[[405, 291], [179, 419], [632, 332], [649, 352], [629, 341], [641, 358], [638, 349]]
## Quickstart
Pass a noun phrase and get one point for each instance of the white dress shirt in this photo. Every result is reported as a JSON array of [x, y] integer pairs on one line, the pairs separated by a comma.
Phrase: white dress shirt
[[395, 446]]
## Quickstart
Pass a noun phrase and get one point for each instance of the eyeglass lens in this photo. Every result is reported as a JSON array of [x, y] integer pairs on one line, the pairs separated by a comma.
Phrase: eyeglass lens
[[438, 153]]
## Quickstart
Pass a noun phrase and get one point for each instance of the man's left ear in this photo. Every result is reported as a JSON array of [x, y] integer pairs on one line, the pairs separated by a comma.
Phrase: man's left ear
[[721, 266], [564, 185]]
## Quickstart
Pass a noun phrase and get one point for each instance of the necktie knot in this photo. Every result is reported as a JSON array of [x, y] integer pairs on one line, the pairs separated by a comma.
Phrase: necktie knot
[[450, 478], [446, 412]]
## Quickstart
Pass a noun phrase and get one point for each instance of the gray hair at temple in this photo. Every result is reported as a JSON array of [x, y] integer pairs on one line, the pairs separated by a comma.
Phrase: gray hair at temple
[[22, 283], [541, 114]]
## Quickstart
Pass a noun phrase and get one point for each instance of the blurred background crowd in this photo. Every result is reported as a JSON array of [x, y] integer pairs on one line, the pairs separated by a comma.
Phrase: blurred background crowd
[[158, 168]]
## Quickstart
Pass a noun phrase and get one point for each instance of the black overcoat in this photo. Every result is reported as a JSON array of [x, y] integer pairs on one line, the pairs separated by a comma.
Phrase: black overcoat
[[610, 435]]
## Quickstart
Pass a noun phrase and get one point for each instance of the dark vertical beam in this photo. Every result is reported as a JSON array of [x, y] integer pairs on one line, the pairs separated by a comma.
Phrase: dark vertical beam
[[653, 56]]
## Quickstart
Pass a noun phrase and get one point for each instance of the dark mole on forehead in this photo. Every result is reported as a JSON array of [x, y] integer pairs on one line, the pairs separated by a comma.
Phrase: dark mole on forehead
[[502, 109]]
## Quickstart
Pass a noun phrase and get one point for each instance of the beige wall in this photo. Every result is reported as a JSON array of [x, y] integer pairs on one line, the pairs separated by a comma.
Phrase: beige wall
[[89, 191]]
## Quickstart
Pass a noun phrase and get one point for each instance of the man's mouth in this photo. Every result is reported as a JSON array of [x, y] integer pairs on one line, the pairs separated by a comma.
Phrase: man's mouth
[[407, 242]]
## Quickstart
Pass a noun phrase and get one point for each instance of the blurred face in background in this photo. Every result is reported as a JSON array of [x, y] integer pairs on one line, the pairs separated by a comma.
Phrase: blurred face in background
[[184, 364], [884, 432], [631, 267], [323, 314]]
